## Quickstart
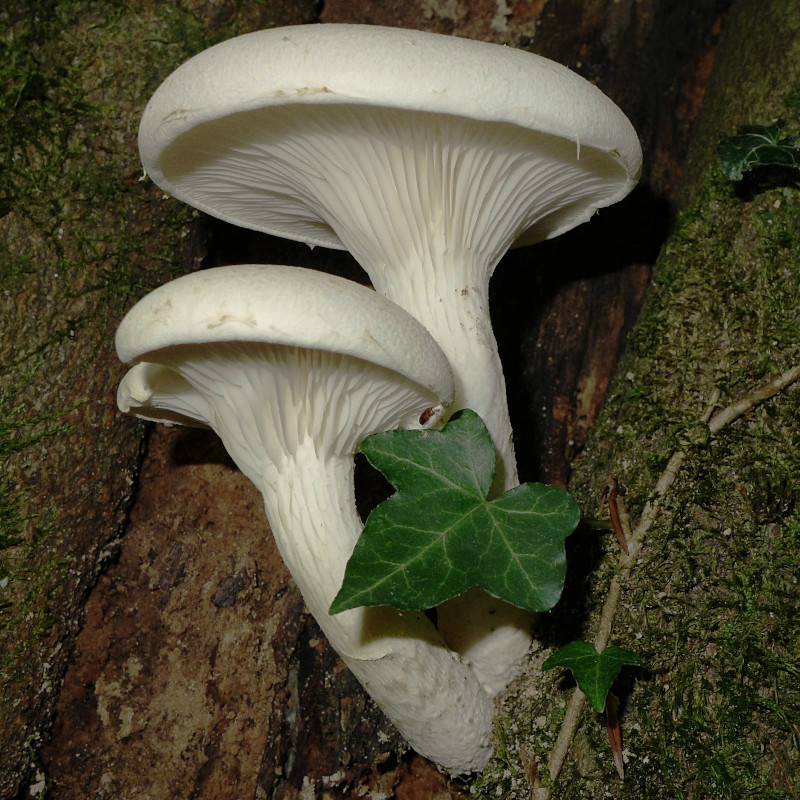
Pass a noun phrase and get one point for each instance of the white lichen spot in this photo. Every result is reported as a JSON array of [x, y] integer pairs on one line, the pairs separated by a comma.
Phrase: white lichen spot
[[450, 10], [307, 789], [125, 729], [333, 780], [133, 667], [38, 786], [499, 21]]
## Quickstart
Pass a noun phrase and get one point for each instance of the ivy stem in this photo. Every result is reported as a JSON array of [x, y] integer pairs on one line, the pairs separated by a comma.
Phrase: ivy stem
[[628, 560]]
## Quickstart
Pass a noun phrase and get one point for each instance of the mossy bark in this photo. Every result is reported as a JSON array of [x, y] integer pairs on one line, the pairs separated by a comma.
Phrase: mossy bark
[[80, 239], [712, 603]]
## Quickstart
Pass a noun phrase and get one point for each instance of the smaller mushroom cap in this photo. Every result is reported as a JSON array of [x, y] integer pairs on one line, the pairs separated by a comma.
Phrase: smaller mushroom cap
[[292, 368], [271, 357], [284, 306]]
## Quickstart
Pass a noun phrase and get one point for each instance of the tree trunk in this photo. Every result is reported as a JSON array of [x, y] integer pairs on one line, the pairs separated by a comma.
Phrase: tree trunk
[[711, 601], [186, 641]]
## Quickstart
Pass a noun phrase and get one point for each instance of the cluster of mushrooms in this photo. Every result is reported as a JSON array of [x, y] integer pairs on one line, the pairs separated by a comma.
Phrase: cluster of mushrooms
[[427, 157]]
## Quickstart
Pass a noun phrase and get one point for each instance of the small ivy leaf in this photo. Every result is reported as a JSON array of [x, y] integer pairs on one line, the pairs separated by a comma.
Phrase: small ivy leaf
[[437, 536], [757, 145], [594, 672]]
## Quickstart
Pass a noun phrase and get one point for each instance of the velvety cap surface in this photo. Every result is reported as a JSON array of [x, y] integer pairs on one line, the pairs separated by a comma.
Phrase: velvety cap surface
[[391, 67]]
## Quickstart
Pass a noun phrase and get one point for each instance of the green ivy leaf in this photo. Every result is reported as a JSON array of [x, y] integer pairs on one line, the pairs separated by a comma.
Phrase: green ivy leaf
[[594, 672], [437, 536], [757, 145]]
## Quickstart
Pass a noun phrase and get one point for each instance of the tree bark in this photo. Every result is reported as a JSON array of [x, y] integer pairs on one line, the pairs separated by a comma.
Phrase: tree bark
[[710, 602], [81, 238], [186, 642]]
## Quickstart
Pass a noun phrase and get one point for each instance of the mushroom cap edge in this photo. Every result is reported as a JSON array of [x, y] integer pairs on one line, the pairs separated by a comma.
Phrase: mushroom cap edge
[[285, 305], [374, 65]]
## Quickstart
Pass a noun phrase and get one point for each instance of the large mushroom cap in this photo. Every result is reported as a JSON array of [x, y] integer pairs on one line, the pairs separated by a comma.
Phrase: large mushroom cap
[[289, 306], [227, 130]]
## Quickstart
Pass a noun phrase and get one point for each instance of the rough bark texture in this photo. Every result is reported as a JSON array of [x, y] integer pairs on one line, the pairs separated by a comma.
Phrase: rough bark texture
[[711, 604], [195, 586], [72, 256], [81, 238], [196, 654]]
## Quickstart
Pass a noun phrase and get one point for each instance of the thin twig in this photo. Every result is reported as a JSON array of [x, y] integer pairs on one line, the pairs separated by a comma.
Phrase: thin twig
[[635, 543], [624, 518], [613, 511], [531, 769], [750, 401], [570, 723], [615, 733]]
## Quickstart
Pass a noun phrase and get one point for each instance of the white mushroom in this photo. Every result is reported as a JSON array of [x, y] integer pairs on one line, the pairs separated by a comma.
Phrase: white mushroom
[[293, 368], [426, 156]]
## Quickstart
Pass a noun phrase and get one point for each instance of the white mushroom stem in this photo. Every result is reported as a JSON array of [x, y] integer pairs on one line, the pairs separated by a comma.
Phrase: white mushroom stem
[[454, 307], [431, 696], [291, 419]]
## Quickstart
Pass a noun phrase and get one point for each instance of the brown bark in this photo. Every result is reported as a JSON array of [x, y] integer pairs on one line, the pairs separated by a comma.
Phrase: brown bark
[[80, 237], [196, 654]]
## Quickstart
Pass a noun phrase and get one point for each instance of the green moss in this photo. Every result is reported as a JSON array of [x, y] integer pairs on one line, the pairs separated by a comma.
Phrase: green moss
[[712, 605], [80, 239]]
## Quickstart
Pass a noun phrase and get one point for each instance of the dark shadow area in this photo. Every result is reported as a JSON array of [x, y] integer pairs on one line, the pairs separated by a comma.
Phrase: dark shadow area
[[372, 488], [566, 622], [229, 244], [625, 682], [528, 293], [200, 446], [764, 178]]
